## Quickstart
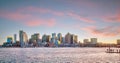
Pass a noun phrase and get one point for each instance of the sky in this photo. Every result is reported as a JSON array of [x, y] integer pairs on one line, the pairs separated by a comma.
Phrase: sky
[[85, 18]]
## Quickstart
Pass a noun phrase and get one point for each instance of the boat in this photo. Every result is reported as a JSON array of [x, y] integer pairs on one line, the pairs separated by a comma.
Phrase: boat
[[109, 50], [112, 52]]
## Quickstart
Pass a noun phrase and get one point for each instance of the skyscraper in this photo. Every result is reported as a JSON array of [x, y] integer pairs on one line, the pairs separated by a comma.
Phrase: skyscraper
[[59, 36], [86, 41], [36, 37], [54, 38], [68, 38], [75, 39], [48, 38], [93, 40], [72, 39], [53, 35], [118, 41], [44, 38], [63, 40], [15, 38], [23, 38], [9, 39]]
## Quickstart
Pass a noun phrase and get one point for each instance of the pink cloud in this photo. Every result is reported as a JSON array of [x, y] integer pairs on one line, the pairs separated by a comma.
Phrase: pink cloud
[[28, 12], [78, 17], [41, 22], [28, 16], [112, 18], [40, 10], [57, 13], [108, 31], [27, 19], [14, 15]]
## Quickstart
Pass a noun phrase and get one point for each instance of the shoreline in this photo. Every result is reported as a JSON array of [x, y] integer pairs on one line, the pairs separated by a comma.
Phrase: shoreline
[[57, 47]]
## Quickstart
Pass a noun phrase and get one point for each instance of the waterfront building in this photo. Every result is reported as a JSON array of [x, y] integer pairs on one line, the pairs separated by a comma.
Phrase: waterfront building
[[54, 38], [36, 37], [48, 38], [63, 40], [15, 38], [118, 42], [86, 41], [23, 38], [59, 36], [44, 38], [9, 39], [53, 35], [72, 39], [68, 38], [75, 38], [93, 40]]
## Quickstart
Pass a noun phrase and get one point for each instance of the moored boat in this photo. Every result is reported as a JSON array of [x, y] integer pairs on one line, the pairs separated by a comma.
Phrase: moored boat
[[112, 50]]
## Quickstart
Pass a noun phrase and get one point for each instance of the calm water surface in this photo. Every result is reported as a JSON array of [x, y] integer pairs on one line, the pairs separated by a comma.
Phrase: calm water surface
[[57, 55]]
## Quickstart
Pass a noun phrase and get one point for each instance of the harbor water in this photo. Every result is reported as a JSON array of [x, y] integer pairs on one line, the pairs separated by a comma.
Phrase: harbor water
[[57, 55]]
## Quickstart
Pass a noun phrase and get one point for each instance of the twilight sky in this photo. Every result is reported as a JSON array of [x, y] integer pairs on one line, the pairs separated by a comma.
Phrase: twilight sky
[[85, 18]]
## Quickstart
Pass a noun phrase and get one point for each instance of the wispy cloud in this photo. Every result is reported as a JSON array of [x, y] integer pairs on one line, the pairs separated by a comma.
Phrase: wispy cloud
[[41, 22], [108, 31], [80, 18], [32, 9], [27, 19], [14, 15], [115, 18], [57, 13], [29, 16], [112, 17]]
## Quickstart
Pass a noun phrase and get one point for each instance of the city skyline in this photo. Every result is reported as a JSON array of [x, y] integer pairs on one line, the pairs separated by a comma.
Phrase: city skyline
[[53, 40], [58, 36], [85, 18]]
